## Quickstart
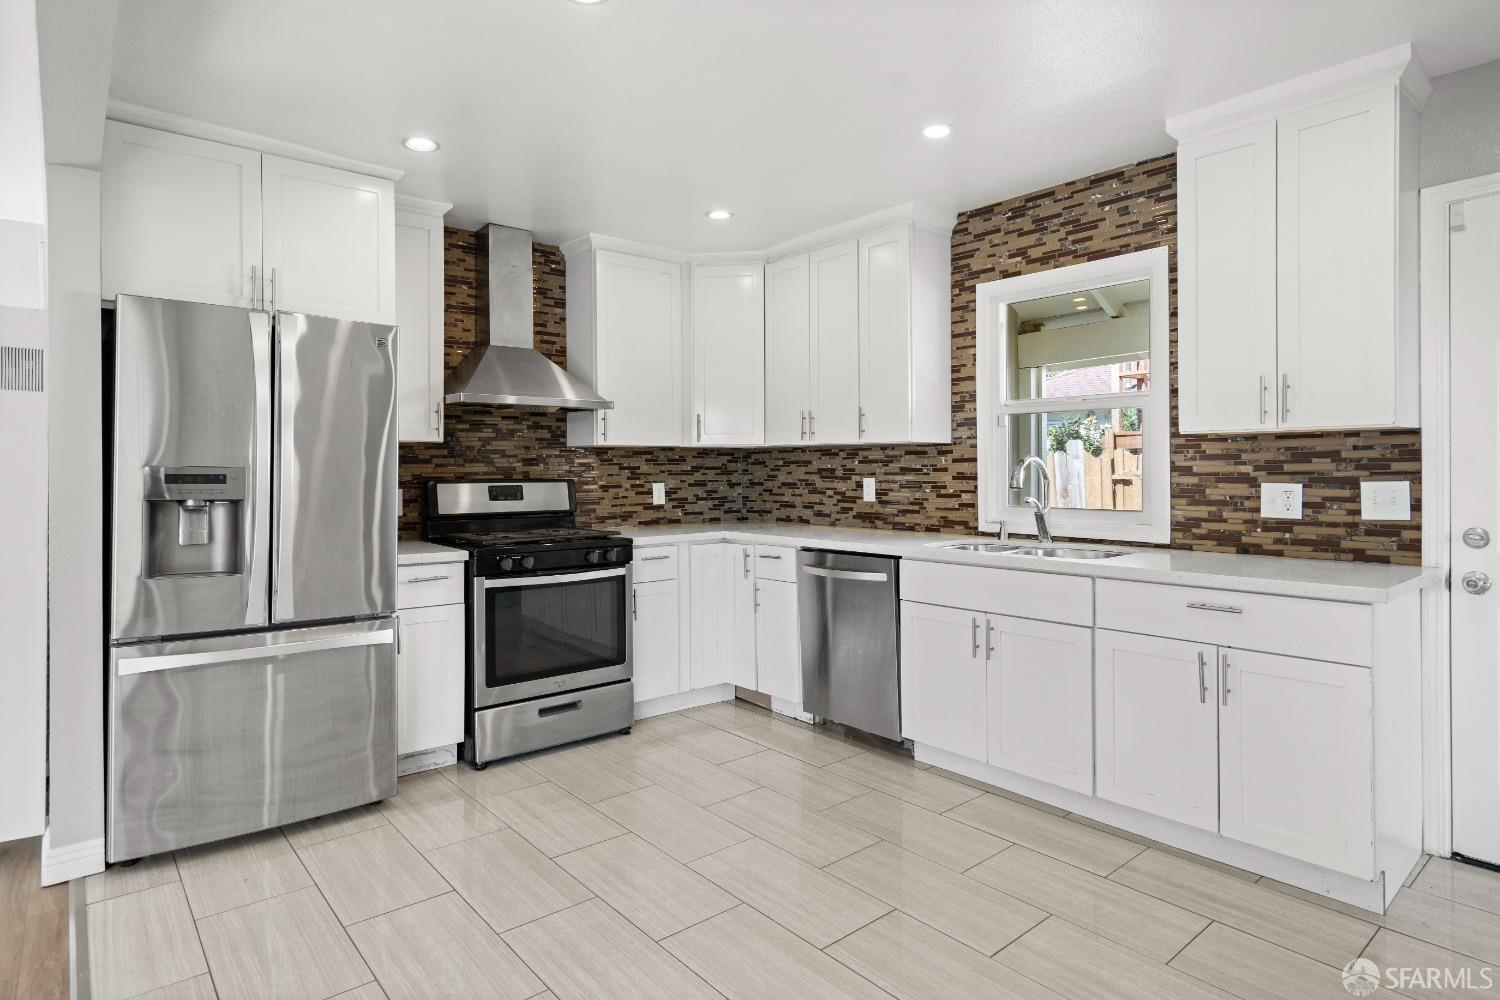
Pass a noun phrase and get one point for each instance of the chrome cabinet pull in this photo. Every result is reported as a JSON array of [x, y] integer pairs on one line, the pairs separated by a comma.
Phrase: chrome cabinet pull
[[273, 289], [1202, 678], [1224, 679], [398, 635], [654, 558], [1286, 393], [989, 641], [803, 415], [604, 419], [1228, 609], [974, 636], [746, 554], [426, 579], [812, 425], [1263, 411], [764, 556], [861, 421], [635, 606], [700, 427], [254, 299], [757, 597]]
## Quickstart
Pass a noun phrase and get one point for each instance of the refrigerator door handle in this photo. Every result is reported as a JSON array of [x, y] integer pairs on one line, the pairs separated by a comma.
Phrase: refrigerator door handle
[[173, 661]]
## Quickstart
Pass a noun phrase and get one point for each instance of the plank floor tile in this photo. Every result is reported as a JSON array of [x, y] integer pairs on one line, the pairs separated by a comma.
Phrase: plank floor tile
[[1084, 966], [715, 745], [1448, 975], [554, 821], [1078, 845], [1467, 884], [507, 880], [232, 873], [786, 823], [691, 777], [289, 947], [584, 774], [496, 779], [729, 715], [431, 812], [672, 823], [810, 786], [121, 879], [197, 988], [657, 893], [1467, 930], [795, 741], [343, 869], [894, 777], [936, 837], [1248, 967], [141, 941], [334, 825]]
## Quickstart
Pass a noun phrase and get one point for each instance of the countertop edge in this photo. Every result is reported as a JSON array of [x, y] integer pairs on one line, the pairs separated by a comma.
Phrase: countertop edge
[[413, 552]]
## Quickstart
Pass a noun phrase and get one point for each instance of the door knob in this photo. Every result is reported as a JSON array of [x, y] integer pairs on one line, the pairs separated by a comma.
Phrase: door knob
[[1475, 582], [1476, 538]]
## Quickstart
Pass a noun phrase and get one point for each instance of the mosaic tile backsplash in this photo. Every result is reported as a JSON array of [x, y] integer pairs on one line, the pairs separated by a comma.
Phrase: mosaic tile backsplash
[[1215, 480]]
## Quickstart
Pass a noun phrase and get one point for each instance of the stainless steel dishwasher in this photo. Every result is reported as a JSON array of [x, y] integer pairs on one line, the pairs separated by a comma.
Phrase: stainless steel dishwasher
[[849, 624]]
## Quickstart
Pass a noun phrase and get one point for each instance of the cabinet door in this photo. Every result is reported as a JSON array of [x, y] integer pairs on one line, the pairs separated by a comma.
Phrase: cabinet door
[[330, 241], [1226, 267], [728, 337], [1295, 759], [1156, 715], [778, 648], [430, 678], [834, 274], [638, 305], [654, 648], [710, 618], [419, 327], [943, 679], [788, 351], [180, 217], [1336, 262], [1040, 702], [885, 335], [743, 667]]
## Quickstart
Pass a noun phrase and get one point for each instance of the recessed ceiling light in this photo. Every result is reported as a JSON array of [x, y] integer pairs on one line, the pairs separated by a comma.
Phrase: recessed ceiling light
[[720, 214], [421, 144], [587, 2], [1081, 308], [1080, 299], [938, 130]]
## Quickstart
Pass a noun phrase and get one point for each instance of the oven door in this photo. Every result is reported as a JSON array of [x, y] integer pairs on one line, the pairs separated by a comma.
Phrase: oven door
[[539, 635]]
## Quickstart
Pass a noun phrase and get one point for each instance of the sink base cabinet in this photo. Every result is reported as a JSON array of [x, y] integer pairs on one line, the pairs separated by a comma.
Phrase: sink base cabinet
[[1038, 690], [942, 702]]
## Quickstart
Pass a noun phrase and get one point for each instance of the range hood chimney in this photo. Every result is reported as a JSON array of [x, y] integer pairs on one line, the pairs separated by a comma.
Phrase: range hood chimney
[[507, 370]]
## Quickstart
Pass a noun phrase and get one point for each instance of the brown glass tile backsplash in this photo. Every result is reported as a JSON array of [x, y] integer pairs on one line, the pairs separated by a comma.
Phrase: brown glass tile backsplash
[[1215, 480]]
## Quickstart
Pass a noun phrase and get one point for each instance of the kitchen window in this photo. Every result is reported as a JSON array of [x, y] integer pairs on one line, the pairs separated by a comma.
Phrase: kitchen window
[[1073, 370]]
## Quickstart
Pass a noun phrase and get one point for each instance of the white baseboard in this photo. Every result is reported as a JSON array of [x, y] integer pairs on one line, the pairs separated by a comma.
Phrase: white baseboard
[[425, 760], [70, 861], [791, 709], [684, 699]]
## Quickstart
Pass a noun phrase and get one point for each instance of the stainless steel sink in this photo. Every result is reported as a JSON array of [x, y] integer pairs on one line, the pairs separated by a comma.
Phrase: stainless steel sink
[[1061, 552], [979, 546]]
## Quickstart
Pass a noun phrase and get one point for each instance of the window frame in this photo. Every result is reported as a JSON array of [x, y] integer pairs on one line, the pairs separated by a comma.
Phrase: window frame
[[1153, 523]]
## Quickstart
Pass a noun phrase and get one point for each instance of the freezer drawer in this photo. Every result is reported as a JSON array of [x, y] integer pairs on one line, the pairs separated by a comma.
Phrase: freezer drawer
[[210, 738]]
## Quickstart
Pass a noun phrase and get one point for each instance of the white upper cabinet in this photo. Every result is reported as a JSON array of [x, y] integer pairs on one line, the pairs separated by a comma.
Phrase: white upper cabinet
[[905, 341], [1297, 253], [788, 351], [419, 326], [728, 347], [181, 218], [329, 241], [625, 339], [834, 404]]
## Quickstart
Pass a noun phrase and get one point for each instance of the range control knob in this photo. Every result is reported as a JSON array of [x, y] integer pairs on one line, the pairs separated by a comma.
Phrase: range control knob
[[527, 562], [615, 555], [593, 556], [507, 564]]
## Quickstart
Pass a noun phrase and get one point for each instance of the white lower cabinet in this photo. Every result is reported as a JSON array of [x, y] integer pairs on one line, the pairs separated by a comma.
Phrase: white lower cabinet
[[655, 630], [1157, 726], [1295, 758], [778, 649], [743, 669], [1038, 697], [430, 678], [943, 679], [710, 616]]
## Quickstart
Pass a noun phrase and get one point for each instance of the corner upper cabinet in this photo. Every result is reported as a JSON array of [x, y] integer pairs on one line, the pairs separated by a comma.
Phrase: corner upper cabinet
[[625, 338], [1297, 253], [905, 338], [788, 350], [419, 324], [181, 218], [728, 346]]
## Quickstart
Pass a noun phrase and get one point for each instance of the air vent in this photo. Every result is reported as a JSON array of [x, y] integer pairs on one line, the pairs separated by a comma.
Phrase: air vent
[[20, 369]]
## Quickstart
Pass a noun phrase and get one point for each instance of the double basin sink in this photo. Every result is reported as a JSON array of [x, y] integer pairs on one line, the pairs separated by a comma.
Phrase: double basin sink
[[1037, 551]]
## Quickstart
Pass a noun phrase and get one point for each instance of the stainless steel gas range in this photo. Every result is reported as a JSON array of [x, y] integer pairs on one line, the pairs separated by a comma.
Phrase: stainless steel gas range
[[548, 613]]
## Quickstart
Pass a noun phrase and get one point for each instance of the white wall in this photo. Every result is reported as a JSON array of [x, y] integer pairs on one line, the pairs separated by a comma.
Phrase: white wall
[[1461, 126]]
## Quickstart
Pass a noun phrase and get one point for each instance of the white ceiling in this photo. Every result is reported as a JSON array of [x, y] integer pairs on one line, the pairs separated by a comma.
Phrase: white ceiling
[[633, 117]]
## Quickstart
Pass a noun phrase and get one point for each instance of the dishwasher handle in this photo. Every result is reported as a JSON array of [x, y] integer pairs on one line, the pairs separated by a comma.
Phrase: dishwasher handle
[[846, 574]]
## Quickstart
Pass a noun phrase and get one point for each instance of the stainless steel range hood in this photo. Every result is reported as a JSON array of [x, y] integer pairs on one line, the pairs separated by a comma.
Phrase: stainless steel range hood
[[507, 370]]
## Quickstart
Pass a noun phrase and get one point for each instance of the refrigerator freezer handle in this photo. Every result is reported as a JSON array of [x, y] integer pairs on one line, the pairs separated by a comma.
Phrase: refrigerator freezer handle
[[171, 661]]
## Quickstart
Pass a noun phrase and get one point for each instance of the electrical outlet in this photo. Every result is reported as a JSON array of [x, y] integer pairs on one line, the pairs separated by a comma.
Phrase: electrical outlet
[[1385, 500], [1281, 500], [659, 494], [869, 489]]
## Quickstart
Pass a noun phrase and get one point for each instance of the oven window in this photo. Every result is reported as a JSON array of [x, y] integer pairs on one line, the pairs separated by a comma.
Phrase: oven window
[[557, 628]]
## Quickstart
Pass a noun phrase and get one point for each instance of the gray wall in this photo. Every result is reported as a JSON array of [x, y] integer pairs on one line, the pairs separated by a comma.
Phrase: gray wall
[[1461, 126]]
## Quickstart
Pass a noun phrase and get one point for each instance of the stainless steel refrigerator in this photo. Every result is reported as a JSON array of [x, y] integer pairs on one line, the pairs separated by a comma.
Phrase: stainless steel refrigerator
[[253, 560]]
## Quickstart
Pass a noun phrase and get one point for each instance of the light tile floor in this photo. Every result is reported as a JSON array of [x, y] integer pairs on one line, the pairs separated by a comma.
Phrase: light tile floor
[[721, 852]]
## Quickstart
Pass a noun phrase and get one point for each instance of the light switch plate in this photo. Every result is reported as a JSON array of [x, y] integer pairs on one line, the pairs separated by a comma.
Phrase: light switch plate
[[659, 494], [870, 489], [1385, 500], [1281, 500]]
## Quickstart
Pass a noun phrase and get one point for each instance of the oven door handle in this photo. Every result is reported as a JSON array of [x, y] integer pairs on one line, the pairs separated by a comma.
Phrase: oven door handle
[[534, 581]]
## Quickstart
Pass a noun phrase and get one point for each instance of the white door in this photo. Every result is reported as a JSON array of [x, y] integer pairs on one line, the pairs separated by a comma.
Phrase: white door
[[743, 668], [710, 623], [835, 333], [943, 679], [1474, 303], [1156, 704], [1295, 759], [1226, 287], [654, 650], [778, 649], [788, 351], [180, 218], [728, 338], [1040, 700], [430, 678], [1336, 203], [419, 323], [330, 241], [885, 335], [639, 326]]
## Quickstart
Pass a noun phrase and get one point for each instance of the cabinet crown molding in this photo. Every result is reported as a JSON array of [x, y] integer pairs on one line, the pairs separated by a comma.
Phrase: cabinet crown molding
[[422, 206], [165, 121], [1397, 65]]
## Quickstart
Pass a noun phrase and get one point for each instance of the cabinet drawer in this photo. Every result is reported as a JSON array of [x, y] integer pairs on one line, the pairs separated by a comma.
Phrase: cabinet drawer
[[427, 585], [656, 562], [776, 562], [1318, 630], [1019, 593]]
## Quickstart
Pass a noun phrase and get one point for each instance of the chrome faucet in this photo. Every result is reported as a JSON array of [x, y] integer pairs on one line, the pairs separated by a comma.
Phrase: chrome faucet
[[1039, 507]]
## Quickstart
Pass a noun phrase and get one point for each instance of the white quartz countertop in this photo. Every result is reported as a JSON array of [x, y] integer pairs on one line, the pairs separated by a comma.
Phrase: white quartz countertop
[[1322, 579], [411, 552]]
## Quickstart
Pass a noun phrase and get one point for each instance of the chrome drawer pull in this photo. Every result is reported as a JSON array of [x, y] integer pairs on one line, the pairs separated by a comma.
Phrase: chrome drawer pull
[[1228, 609], [768, 557], [426, 579], [1202, 679], [974, 628], [1224, 679], [654, 558]]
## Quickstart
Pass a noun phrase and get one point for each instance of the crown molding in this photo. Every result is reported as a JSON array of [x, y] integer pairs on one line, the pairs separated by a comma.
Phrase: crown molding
[[421, 206], [136, 114]]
